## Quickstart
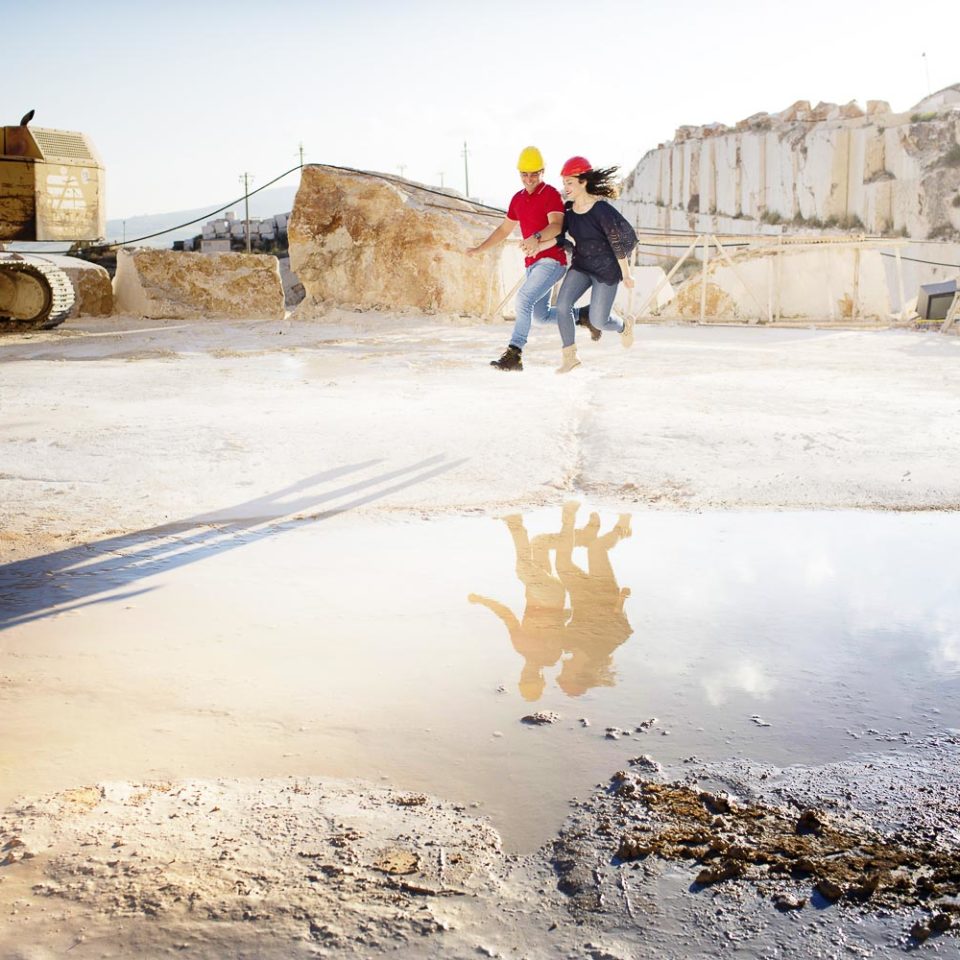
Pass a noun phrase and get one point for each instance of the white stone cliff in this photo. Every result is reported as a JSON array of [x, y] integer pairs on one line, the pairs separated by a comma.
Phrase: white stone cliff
[[827, 166]]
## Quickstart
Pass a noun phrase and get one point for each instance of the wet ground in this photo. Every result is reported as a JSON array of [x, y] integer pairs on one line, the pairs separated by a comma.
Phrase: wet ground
[[238, 644]]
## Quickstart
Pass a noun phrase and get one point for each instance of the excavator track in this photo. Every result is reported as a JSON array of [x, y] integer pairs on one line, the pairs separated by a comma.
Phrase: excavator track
[[34, 294]]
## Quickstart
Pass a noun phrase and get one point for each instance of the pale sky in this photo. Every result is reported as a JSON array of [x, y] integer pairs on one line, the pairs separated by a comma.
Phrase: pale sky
[[180, 97]]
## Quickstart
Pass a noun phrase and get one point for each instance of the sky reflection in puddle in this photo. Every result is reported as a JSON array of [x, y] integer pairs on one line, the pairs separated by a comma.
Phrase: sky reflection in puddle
[[411, 650]]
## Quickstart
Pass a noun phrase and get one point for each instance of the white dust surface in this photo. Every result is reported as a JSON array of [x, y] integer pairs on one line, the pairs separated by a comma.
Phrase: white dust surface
[[212, 421]]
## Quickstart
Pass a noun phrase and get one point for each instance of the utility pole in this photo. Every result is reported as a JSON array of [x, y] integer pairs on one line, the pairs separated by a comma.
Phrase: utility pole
[[466, 171], [440, 175], [246, 178], [124, 232], [401, 167], [926, 67], [301, 154]]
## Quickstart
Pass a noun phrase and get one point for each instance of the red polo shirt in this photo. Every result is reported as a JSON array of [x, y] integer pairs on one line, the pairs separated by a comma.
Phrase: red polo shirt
[[530, 210]]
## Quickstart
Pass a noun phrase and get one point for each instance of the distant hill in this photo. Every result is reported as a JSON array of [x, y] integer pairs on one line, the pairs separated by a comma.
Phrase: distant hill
[[264, 204]]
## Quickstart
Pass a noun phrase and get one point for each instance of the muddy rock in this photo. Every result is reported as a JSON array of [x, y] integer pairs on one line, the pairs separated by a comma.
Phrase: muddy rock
[[646, 763], [786, 901], [541, 718], [881, 863], [810, 821]]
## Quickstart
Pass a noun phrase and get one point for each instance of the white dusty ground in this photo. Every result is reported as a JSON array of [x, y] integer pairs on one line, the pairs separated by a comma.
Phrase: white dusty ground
[[220, 420], [115, 426]]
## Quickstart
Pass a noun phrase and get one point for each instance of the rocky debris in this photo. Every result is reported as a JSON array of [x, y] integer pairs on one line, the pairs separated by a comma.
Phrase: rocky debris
[[764, 840], [938, 922], [411, 800], [880, 858], [811, 821], [541, 718], [166, 284], [383, 242], [397, 862], [787, 901], [829, 890], [645, 762], [312, 867], [301, 861]]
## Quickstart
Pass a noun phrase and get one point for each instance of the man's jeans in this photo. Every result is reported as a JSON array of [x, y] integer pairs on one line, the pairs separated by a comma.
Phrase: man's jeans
[[533, 298], [575, 285]]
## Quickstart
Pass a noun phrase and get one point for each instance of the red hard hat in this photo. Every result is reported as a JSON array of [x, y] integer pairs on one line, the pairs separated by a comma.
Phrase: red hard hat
[[575, 166]]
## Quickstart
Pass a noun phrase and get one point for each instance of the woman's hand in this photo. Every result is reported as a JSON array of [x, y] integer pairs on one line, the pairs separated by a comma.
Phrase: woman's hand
[[628, 281], [530, 246]]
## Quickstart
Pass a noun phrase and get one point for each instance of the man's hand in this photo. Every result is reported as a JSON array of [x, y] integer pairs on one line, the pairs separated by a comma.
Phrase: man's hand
[[530, 246], [472, 251]]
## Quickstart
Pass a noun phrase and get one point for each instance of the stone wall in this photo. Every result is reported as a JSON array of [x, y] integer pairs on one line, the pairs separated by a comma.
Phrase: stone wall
[[382, 242], [817, 283]]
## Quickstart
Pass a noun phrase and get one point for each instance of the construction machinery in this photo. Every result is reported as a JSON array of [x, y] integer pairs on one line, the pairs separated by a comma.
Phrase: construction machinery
[[51, 190]]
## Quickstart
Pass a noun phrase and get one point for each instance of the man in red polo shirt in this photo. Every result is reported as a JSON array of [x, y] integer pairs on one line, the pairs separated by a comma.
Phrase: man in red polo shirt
[[538, 208]]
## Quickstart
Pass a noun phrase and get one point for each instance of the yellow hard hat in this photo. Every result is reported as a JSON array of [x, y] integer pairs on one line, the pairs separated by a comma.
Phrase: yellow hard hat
[[530, 160]]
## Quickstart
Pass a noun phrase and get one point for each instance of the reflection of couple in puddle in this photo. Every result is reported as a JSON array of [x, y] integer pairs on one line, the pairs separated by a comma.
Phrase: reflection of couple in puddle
[[591, 628]]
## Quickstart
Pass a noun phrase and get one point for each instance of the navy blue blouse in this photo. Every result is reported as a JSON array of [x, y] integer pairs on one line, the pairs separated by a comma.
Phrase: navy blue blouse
[[601, 236]]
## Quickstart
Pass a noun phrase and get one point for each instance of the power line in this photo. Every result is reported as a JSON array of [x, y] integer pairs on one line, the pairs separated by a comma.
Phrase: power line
[[932, 263], [483, 209], [190, 223]]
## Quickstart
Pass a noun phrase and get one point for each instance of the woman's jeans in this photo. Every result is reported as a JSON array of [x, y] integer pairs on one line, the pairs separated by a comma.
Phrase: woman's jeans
[[533, 298], [575, 285]]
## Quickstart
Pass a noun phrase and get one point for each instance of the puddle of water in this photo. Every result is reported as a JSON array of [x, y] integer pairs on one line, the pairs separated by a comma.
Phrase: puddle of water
[[410, 651]]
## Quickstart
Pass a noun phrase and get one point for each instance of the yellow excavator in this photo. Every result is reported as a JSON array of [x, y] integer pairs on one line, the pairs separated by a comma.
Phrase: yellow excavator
[[51, 190]]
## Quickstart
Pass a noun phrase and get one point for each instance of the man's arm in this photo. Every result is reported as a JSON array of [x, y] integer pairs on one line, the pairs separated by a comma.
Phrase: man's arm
[[498, 236], [554, 226]]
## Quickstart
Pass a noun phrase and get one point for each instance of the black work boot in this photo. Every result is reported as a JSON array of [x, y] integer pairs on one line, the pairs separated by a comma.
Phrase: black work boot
[[583, 320], [511, 359]]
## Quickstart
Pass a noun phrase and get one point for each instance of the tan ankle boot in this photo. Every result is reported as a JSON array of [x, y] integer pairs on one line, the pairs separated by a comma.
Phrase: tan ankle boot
[[570, 359]]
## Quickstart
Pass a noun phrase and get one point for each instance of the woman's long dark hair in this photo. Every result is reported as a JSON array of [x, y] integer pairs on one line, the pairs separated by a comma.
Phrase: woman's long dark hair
[[601, 183]]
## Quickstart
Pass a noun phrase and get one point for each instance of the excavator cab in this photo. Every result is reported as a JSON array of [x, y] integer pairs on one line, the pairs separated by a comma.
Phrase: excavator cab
[[51, 189]]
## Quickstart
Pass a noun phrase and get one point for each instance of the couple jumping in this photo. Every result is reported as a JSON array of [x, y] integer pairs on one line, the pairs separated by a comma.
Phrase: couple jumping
[[602, 243]]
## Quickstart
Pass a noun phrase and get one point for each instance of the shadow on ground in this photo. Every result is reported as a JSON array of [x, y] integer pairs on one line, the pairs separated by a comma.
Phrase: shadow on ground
[[79, 576]]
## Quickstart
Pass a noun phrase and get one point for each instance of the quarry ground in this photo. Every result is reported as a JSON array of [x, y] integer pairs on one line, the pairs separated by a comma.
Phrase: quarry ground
[[118, 426]]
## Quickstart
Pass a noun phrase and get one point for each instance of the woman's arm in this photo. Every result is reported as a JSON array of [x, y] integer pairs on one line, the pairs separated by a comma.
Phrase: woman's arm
[[621, 238], [531, 245]]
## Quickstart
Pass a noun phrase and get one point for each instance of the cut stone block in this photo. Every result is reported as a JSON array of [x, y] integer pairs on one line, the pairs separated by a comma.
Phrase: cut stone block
[[378, 242], [165, 284]]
